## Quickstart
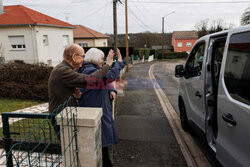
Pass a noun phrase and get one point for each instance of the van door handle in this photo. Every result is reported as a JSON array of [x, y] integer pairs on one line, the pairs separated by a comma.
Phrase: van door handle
[[229, 119], [198, 94]]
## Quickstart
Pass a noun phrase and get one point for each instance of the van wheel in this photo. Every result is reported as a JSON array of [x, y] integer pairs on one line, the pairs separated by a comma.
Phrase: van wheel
[[183, 116]]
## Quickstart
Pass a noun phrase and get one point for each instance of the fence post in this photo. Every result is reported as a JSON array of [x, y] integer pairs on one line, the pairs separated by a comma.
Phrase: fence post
[[88, 124], [7, 140]]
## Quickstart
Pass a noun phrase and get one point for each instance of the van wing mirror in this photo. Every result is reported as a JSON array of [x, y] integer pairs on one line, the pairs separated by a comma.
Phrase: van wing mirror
[[179, 71]]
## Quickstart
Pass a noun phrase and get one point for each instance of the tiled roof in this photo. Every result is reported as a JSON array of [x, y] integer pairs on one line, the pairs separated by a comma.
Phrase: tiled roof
[[84, 32], [185, 35], [21, 15]]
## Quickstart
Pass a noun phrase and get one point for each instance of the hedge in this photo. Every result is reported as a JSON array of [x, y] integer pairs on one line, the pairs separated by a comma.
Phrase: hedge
[[174, 55], [145, 52], [24, 81], [107, 49]]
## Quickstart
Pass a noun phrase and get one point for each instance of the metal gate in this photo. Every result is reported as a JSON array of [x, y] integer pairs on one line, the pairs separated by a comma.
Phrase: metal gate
[[35, 139]]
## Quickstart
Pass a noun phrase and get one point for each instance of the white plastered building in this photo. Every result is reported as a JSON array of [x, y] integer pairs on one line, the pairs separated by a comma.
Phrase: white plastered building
[[32, 37]]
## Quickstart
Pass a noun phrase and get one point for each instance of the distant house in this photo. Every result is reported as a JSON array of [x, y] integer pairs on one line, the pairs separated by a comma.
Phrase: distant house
[[87, 37], [33, 37], [183, 41]]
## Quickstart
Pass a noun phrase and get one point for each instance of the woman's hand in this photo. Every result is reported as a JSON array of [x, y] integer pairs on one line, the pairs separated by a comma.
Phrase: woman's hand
[[112, 95], [109, 59], [119, 55], [77, 94]]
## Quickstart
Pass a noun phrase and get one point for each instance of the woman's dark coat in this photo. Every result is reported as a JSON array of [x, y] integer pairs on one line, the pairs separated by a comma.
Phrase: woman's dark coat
[[99, 97]]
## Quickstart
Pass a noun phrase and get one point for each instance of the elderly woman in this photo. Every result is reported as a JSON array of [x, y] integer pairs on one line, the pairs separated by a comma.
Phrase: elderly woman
[[101, 96]]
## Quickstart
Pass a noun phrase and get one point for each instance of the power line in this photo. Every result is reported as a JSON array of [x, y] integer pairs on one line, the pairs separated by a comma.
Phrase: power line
[[191, 2], [98, 10], [65, 8], [140, 11], [137, 18]]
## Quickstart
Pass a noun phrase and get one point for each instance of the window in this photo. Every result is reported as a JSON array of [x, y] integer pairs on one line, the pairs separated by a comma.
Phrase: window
[[179, 44], [194, 64], [49, 62], [83, 44], [17, 42], [45, 40], [237, 70], [188, 44], [65, 40], [104, 44]]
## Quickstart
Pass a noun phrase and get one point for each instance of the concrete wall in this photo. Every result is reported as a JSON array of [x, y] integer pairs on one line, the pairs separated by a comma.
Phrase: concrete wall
[[93, 42], [28, 54], [54, 50]]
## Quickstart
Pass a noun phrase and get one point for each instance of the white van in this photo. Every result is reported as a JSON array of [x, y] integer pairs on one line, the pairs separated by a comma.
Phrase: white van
[[214, 93]]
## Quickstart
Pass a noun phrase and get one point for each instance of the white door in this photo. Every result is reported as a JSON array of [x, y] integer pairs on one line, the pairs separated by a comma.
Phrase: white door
[[233, 141], [194, 85]]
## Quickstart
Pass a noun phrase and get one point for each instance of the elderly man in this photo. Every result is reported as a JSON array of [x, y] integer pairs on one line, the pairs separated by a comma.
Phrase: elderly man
[[64, 79]]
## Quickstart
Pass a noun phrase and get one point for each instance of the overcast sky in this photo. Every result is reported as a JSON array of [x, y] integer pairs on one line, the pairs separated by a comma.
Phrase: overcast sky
[[144, 15]]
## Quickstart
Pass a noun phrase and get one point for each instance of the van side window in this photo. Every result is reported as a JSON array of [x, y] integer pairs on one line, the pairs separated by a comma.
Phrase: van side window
[[237, 70], [194, 64]]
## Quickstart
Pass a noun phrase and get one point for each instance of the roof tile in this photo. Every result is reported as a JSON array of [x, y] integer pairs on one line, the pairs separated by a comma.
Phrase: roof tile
[[185, 35], [19, 15], [84, 32]]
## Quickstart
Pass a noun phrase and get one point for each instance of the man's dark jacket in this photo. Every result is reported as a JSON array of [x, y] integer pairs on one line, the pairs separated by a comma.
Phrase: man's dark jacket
[[63, 80]]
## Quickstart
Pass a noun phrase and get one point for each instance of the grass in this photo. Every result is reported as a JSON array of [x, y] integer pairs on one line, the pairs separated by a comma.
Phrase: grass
[[8, 105], [32, 129]]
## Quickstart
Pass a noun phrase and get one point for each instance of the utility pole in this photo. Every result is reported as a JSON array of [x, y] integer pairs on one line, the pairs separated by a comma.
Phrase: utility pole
[[163, 32], [115, 25], [162, 54], [126, 20]]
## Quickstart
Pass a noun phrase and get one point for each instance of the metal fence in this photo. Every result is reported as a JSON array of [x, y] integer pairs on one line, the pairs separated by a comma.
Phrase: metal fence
[[35, 139]]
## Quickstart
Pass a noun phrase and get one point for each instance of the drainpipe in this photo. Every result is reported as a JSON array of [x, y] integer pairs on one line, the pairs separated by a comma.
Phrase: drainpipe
[[34, 43], [1, 7]]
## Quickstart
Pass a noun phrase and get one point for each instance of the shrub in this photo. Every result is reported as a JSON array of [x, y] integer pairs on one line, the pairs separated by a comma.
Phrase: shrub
[[107, 49], [175, 55], [24, 81]]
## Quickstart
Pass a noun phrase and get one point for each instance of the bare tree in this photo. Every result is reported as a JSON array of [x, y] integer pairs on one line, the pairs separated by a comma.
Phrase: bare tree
[[205, 27], [245, 17], [216, 26], [202, 27]]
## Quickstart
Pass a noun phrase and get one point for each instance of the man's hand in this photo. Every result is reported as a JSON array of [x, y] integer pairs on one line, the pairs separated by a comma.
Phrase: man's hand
[[77, 94], [119, 55], [110, 57], [112, 95]]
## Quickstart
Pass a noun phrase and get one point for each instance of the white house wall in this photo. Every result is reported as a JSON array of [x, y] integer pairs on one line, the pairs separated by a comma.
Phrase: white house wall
[[27, 55], [92, 42], [100, 42], [54, 50]]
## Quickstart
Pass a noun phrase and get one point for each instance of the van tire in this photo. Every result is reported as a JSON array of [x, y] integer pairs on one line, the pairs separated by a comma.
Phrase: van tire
[[183, 116]]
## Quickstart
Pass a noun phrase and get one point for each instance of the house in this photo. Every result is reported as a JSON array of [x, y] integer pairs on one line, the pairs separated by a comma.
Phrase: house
[[87, 37], [183, 41], [33, 37]]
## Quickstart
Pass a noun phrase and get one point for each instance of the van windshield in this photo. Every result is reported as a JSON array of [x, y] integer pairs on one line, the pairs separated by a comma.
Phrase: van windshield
[[237, 70]]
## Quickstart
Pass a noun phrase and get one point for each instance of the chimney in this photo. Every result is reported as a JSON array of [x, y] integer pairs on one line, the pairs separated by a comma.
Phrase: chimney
[[1, 7]]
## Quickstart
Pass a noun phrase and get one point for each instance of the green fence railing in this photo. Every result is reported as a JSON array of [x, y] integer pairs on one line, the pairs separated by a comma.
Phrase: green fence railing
[[35, 139]]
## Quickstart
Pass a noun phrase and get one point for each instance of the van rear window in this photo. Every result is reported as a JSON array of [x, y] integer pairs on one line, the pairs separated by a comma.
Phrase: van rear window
[[237, 70]]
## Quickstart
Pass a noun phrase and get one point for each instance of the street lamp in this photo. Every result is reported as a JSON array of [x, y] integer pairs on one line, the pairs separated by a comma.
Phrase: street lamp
[[163, 32]]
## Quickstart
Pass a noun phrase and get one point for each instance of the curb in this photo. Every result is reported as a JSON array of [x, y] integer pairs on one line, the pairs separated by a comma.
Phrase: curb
[[191, 152]]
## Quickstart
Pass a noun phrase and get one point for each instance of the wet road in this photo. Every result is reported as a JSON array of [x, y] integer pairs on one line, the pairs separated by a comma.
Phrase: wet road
[[145, 136], [165, 71]]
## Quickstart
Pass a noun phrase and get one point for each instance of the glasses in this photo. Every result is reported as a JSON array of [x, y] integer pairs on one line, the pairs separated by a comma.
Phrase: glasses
[[81, 55]]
